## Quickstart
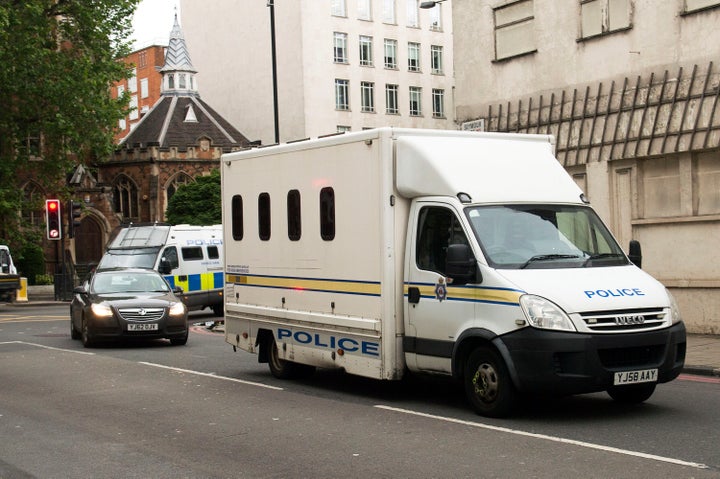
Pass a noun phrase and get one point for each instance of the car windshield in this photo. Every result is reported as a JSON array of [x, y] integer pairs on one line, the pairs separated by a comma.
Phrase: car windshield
[[123, 282], [543, 236]]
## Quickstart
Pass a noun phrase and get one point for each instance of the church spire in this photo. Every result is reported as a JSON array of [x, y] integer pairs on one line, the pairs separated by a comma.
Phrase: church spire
[[178, 71]]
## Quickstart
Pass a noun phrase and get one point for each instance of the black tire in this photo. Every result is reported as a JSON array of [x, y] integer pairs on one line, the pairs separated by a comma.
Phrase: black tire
[[281, 368], [181, 341], [87, 339], [632, 394], [73, 332], [218, 310], [488, 385]]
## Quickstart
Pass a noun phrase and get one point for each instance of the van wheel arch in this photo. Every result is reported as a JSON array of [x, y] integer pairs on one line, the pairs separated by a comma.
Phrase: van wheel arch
[[467, 342]]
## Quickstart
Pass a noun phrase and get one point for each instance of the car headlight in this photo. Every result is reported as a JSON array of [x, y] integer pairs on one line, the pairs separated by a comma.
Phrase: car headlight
[[674, 310], [544, 314], [177, 309], [101, 310]]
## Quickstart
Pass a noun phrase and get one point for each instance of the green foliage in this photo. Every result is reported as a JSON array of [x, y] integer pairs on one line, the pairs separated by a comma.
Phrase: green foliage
[[31, 262], [43, 279], [197, 203], [59, 58]]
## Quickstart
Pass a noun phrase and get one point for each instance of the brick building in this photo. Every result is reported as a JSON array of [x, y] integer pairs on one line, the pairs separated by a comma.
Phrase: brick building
[[178, 139]]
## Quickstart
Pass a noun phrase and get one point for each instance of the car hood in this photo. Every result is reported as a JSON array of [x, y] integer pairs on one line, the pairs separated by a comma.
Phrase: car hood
[[592, 289], [134, 300]]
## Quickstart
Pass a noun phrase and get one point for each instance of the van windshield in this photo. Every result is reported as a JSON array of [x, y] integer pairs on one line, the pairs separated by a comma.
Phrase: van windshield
[[129, 258], [543, 236]]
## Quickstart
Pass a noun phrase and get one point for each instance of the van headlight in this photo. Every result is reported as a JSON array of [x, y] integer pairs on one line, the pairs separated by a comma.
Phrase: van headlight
[[544, 314], [177, 309], [674, 310]]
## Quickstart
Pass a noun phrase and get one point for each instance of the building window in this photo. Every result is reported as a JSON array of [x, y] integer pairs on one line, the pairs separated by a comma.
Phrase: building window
[[438, 103], [125, 198], [132, 81], [338, 8], [134, 114], [695, 5], [514, 29], [181, 179], [604, 16], [436, 59], [340, 48], [364, 12], [120, 90], [388, 12], [122, 124], [144, 90], [341, 94], [32, 211], [390, 54], [171, 81], [366, 57], [293, 215], [343, 129], [413, 57], [412, 13], [367, 96], [435, 17], [327, 213], [237, 217], [415, 101], [264, 216], [142, 59], [391, 99]]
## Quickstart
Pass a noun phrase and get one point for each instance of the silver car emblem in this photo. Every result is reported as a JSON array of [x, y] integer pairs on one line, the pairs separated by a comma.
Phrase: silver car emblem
[[142, 312]]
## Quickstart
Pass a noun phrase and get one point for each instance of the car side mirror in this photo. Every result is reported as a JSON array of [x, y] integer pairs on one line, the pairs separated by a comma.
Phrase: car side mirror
[[635, 253], [79, 290], [461, 265]]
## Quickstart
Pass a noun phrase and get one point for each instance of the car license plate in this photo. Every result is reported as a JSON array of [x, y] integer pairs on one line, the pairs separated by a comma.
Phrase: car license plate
[[635, 377], [142, 327]]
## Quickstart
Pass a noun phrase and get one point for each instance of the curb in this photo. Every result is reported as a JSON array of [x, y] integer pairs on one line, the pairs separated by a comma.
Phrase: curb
[[702, 371]]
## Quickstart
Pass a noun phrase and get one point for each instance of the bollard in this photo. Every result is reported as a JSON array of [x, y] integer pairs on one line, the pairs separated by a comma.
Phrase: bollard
[[21, 294]]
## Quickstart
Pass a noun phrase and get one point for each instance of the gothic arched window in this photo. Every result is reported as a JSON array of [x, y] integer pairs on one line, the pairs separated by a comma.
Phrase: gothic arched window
[[125, 198], [176, 182], [32, 207]]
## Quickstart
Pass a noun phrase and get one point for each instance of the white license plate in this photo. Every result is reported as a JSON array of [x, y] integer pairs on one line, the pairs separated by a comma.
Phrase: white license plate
[[635, 377], [142, 327]]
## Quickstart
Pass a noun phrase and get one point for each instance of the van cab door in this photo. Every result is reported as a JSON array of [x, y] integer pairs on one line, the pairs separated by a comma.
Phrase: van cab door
[[435, 308]]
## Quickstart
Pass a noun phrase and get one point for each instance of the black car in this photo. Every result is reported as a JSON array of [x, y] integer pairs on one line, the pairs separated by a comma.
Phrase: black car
[[127, 303]]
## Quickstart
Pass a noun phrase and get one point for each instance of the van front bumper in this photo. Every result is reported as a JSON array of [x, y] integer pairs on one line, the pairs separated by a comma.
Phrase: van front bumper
[[543, 361]]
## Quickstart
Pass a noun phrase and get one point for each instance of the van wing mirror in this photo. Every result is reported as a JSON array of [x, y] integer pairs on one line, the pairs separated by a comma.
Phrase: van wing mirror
[[164, 267], [635, 253], [461, 265]]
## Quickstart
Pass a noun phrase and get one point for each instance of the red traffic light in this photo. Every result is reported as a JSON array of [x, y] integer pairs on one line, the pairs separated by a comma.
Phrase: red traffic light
[[54, 220]]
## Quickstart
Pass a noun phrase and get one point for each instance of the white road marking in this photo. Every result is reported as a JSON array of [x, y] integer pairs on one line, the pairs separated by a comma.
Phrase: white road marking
[[214, 376], [545, 437]]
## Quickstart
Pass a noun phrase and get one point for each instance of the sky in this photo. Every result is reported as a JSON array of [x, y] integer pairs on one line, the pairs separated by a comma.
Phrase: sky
[[153, 21]]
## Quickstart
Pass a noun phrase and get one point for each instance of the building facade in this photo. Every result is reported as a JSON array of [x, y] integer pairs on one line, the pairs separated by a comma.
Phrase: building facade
[[143, 86], [341, 64], [629, 89]]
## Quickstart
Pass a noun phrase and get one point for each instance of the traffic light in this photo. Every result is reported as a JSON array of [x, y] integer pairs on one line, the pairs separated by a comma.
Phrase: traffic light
[[54, 219], [74, 212]]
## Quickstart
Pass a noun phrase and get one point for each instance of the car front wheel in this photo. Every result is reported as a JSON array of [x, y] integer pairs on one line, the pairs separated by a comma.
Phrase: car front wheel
[[87, 338]]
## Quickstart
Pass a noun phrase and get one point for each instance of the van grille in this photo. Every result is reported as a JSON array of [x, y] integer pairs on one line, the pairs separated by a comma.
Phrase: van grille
[[142, 314], [624, 320]]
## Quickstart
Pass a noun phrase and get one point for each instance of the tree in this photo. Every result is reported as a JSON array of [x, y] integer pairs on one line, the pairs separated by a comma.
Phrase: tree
[[59, 59], [197, 203]]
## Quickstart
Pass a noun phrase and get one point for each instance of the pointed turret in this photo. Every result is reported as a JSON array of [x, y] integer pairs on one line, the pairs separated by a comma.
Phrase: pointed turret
[[178, 71]]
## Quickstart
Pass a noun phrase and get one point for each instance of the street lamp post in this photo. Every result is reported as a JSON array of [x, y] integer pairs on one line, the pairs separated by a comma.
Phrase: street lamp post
[[271, 4]]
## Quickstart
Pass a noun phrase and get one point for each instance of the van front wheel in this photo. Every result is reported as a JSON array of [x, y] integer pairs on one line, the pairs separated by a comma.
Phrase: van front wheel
[[488, 385]]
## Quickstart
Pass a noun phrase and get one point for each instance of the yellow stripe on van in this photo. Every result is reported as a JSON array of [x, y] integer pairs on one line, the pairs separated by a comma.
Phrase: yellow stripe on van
[[207, 281], [183, 284], [471, 293], [321, 285]]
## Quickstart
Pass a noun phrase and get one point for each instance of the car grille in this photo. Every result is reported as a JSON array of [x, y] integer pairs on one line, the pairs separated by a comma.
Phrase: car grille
[[624, 320], [142, 314]]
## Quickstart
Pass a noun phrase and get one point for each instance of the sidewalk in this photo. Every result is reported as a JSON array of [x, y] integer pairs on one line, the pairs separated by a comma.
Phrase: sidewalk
[[702, 357]]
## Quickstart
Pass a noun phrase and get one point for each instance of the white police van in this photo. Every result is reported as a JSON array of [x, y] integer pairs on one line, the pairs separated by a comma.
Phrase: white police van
[[189, 257], [467, 254]]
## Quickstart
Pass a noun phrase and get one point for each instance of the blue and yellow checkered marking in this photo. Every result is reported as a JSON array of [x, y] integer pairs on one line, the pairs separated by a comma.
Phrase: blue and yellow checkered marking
[[501, 296], [197, 282]]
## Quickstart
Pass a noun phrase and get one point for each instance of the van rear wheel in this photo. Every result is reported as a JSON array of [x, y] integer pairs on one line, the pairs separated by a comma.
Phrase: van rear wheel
[[281, 368], [488, 385]]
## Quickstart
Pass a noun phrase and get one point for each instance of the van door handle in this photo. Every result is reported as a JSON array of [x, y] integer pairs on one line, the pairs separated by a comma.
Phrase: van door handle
[[413, 295]]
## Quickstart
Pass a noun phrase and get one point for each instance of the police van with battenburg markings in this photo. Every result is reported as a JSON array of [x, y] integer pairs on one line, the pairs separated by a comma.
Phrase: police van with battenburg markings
[[189, 257], [467, 254]]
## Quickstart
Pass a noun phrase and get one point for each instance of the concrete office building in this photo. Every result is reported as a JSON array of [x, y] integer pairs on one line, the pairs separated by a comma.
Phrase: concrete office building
[[341, 64]]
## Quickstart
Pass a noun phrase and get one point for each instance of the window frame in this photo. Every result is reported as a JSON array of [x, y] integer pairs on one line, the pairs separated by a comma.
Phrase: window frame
[[414, 57], [340, 47], [499, 30], [391, 92], [436, 60], [365, 50], [264, 216], [415, 96], [367, 97], [390, 45], [438, 103], [342, 94], [237, 217]]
